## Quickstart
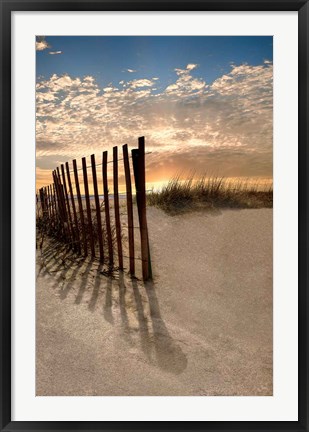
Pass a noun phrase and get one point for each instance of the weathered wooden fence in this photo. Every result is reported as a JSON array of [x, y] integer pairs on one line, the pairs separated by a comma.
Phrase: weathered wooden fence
[[70, 216]]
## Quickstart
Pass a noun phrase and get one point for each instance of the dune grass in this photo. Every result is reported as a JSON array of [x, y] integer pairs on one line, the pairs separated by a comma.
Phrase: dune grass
[[193, 194]]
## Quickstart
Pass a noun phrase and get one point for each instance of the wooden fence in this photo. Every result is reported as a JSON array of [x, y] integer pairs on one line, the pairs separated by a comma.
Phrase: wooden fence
[[70, 217]]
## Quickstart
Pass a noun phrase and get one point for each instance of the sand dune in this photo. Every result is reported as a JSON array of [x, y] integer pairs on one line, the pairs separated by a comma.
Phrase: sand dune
[[203, 327]]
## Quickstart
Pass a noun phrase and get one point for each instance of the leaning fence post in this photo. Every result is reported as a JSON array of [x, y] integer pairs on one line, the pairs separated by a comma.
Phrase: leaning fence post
[[37, 205], [50, 209], [52, 191], [61, 195], [116, 207], [65, 190], [138, 157], [59, 206], [67, 227], [129, 207], [42, 201], [54, 198], [61, 214], [76, 230], [107, 213], [90, 228], [47, 201], [80, 206], [97, 206]]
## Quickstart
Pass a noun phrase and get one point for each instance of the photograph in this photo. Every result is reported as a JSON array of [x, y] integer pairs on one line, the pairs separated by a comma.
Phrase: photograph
[[153, 215]]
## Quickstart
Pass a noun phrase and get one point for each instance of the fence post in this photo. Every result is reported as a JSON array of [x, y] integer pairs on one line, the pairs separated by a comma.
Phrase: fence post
[[42, 201], [54, 200], [68, 205], [138, 157], [129, 207], [61, 195], [80, 206], [64, 209], [46, 201], [116, 207], [37, 205], [52, 192], [107, 213], [59, 204], [97, 205], [50, 209], [76, 230], [89, 219]]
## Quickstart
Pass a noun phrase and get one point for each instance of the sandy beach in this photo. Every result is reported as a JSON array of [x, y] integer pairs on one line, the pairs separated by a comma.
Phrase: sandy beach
[[202, 327]]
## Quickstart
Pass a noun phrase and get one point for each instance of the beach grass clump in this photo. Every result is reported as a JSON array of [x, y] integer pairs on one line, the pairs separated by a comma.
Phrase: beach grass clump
[[192, 194]]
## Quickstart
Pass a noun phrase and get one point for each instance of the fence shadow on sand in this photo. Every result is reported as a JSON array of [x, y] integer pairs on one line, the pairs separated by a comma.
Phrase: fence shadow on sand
[[128, 304]]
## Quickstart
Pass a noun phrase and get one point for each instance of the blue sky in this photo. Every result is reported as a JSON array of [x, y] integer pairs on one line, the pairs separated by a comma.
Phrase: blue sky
[[203, 103], [108, 58]]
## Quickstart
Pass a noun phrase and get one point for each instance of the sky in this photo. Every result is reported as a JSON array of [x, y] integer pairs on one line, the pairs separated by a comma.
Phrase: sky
[[204, 104]]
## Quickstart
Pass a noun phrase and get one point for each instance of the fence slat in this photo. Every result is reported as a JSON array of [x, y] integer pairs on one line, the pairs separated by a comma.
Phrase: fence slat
[[89, 220], [37, 205], [129, 207], [49, 204], [61, 194], [58, 210], [80, 206], [53, 203], [67, 203], [42, 201], [50, 193], [116, 207], [97, 206], [46, 201], [107, 212], [76, 230], [54, 199], [59, 203], [138, 157], [64, 209]]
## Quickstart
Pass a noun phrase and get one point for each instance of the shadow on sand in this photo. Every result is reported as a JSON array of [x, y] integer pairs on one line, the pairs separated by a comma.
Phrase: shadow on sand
[[127, 302]]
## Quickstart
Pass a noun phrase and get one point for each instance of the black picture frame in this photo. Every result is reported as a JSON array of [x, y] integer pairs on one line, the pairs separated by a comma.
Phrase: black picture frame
[[7, 7]]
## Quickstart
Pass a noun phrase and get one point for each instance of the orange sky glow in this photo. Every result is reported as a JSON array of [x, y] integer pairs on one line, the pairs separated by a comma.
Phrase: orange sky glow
[[223, 127]]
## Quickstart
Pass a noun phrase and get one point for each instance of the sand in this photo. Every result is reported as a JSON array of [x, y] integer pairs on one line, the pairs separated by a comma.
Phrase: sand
[[203, 327]]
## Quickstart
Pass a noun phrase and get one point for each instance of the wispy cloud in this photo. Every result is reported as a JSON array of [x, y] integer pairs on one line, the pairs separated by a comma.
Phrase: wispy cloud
[[130, 70], [55, 52], [186, 83], [224, 126], [191, 66], [41, 44], [141, 83]]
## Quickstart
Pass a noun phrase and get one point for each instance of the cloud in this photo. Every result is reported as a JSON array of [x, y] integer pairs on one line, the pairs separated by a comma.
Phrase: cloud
[[224, 126], [41, 44], [185, 83], [130, 70], [55, 52], [141, 83], [191, 66]]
